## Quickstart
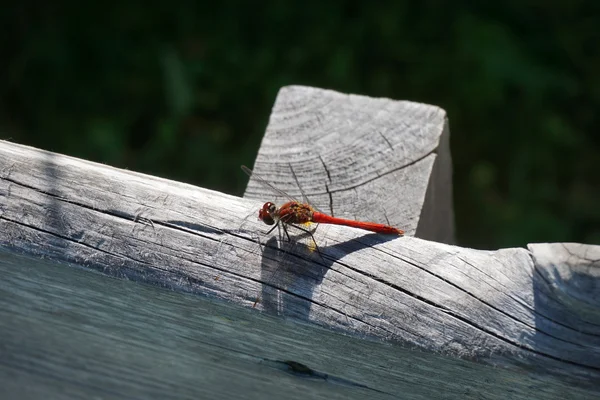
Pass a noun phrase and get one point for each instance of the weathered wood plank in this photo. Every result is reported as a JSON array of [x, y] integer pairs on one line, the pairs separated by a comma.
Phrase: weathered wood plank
[[493, 308], [360, 157], [69, 333]]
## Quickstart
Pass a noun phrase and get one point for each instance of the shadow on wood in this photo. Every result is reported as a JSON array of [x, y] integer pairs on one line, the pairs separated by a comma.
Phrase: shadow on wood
[[295, 269]]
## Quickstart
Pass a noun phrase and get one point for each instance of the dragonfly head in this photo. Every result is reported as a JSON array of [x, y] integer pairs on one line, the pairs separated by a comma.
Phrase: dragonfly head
[[267, 213]]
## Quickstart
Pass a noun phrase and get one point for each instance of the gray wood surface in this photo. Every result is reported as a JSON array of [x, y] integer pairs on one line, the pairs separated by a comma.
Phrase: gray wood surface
[[69, 333], [377, 315], [362, 158]]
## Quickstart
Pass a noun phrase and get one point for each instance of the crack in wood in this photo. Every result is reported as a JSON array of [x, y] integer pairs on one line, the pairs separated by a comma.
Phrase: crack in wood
[[391, 171], [386, 140], [325, 168], [330, 200]]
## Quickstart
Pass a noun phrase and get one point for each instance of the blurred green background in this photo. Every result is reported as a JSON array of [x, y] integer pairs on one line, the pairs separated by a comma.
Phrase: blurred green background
[[184, 90]]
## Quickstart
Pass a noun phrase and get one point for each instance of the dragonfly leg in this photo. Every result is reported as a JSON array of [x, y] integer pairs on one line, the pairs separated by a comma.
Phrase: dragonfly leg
[[284, 220], [312, 236], [286, 232], [273, 228]]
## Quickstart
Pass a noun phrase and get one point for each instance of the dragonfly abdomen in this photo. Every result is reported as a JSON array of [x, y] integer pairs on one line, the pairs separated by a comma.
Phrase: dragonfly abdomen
[[369, 226]]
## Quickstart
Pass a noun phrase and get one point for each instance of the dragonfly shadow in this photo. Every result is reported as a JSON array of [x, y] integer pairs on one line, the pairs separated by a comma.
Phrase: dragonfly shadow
[[341, 249], [291, 272]]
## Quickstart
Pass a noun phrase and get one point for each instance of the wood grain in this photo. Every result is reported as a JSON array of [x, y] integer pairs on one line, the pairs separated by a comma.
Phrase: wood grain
[[493, 322], [358, 157]]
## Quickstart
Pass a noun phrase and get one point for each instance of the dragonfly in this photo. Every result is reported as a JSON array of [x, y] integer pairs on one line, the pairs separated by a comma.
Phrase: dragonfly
[[296, 213], [300, 214]]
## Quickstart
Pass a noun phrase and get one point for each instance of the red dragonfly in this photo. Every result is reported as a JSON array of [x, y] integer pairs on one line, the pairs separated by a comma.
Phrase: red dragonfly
[[296, 213]]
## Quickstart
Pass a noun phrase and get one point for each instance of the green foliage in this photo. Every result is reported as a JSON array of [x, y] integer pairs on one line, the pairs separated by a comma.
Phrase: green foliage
[[184, 90]]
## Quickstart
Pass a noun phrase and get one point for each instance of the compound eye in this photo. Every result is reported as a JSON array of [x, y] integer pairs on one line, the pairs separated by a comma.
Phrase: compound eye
[[265, 214]]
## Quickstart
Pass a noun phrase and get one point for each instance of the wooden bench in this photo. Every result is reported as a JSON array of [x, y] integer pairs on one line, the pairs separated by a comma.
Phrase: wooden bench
[[196, 310]]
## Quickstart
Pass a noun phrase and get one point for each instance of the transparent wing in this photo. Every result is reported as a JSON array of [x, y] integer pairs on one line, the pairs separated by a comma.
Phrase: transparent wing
[[280, 192], [263, 181]]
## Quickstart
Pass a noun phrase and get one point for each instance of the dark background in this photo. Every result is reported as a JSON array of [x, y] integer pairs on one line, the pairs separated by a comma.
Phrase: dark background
[[184, 91]]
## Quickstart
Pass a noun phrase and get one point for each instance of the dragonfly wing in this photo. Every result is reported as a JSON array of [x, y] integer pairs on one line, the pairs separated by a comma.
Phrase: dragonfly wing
[[262, 181], [280, 192], [304, 196]]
